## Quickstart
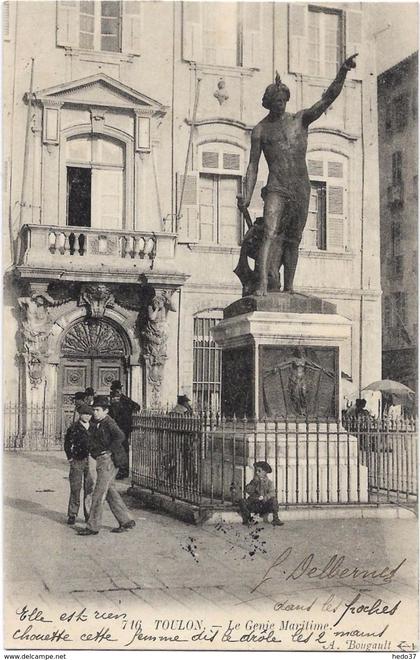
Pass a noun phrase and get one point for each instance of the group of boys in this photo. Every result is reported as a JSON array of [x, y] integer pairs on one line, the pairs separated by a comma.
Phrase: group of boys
[[101, 431]]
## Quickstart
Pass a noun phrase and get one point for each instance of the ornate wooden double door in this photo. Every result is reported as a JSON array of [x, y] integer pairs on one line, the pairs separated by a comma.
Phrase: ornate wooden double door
[[93, 355]]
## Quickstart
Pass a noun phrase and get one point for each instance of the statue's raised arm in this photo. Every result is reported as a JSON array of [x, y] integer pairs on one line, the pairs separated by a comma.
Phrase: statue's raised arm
[[282, 138], [329, 96]]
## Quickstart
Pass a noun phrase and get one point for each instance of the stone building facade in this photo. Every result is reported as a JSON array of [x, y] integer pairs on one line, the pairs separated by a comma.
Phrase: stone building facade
[[127, 138], [398, 171]]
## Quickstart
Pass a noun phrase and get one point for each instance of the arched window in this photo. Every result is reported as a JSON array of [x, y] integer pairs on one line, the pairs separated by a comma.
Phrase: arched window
[[95, 182]]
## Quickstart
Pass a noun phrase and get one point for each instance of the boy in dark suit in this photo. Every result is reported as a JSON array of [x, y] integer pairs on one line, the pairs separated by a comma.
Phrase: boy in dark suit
[[76, 447], [261, 496], [106, 447]]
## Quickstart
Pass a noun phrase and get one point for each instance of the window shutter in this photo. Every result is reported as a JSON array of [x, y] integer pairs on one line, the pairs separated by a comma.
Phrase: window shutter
[[335, 169], [354, 41], [131, 27], [335, 211], [298, 16], [210, 160], [68, 23], [6, 19], [315, 167], [251, 35], [188, 223], [107, 195], [231, 162], [192, 42]]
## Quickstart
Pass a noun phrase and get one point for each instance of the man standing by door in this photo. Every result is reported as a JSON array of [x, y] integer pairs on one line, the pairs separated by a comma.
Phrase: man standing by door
[[122, 410], [106, 447]]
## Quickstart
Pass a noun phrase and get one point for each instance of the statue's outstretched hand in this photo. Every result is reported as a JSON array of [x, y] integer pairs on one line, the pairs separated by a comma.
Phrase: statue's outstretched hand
[[350, 63]]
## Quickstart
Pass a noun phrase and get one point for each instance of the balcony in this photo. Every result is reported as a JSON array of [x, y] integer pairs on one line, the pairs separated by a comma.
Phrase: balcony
[[50, 251]]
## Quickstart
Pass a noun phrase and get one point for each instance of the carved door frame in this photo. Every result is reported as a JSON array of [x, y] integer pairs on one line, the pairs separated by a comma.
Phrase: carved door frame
[[93, 352]]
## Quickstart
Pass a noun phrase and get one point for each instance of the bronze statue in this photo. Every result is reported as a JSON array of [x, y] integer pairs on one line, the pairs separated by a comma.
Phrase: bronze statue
[[282, 137]]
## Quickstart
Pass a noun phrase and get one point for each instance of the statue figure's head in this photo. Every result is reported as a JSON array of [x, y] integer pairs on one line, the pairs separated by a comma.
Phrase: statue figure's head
[[276, 96]]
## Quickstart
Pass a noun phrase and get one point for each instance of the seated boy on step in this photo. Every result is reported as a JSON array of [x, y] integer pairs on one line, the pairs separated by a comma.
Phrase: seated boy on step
[[261, 496]]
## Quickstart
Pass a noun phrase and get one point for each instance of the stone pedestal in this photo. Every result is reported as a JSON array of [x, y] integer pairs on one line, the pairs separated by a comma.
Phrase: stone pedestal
[[282, 360], [282, 363], [311, 463]]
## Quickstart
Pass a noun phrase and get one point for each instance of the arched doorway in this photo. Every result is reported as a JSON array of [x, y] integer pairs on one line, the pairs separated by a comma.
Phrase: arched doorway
[[93, 353]]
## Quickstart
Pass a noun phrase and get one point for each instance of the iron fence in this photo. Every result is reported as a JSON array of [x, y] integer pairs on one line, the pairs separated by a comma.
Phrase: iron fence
[[207, 459], [32, 427]]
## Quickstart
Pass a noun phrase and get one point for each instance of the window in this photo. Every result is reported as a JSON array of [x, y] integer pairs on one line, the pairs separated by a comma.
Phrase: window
[[326, 223], [388, 312], [100, 25], [222, 33], [316, 225], [207, 364], [95, 182], [400, 307], [396, 168], [325, 45], [219, 218], [388, 116], [209, 211], [395, 239], [401, 109], [111, 26], [415, 103], [399, 266], [6, 19]]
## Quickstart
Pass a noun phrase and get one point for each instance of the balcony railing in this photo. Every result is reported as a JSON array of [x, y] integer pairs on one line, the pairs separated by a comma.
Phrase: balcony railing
[[49, 246]]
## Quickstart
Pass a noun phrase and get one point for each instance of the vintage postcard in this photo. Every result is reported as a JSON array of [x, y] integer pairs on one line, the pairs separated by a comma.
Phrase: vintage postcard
[[210, 326]]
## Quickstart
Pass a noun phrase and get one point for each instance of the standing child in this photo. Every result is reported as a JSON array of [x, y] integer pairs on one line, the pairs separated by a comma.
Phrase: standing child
[[77, 452], [261, 496]]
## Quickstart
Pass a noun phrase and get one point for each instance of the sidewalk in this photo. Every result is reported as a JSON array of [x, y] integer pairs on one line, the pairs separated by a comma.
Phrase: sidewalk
[[164, 564]]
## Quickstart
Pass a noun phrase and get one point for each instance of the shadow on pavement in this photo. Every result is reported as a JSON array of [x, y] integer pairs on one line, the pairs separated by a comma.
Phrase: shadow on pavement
[[36, 509]]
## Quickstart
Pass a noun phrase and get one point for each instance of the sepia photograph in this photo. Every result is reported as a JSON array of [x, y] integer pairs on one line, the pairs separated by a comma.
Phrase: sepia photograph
[[210, 326]]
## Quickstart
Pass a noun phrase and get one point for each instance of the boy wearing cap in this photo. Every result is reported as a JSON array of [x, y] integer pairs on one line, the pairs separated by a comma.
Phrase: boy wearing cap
[[106, 447], [261, 496], [76, 447], [79, 399]]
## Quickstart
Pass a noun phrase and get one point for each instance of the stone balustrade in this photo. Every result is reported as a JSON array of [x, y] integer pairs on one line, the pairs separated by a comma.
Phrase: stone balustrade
[[80, 248]]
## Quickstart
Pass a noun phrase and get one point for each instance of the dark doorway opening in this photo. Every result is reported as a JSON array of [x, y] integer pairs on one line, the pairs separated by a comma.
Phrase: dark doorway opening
[[79, 196]]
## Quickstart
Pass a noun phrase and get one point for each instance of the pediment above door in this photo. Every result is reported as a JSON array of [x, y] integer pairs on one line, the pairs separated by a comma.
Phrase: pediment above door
[[100, 90]]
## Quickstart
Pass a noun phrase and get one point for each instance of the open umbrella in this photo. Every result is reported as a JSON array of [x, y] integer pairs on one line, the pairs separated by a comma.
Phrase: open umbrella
[[389, 387]]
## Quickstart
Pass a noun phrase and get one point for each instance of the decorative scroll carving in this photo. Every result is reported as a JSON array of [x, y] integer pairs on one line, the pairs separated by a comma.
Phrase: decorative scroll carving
[[154, 336], [36, 330], [97, 297], [94, 338]]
